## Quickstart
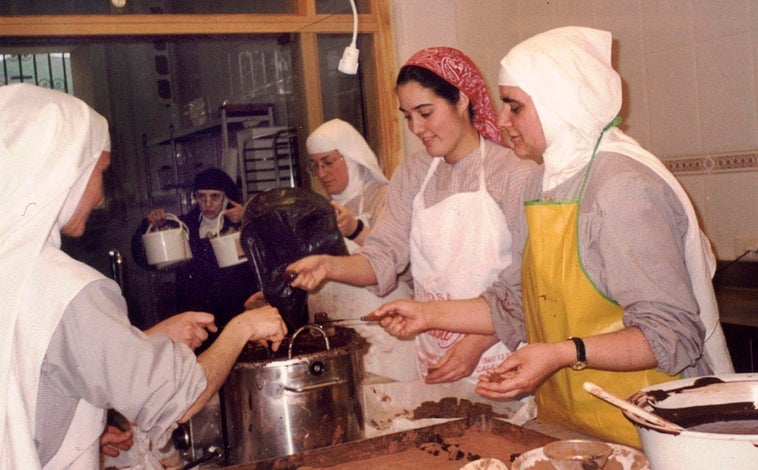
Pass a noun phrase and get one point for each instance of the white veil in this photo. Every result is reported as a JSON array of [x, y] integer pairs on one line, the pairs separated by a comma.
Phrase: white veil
[[49, 144]]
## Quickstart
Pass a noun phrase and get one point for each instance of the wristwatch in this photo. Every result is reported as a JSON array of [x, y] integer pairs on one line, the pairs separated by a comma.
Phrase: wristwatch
[[357, 231], [581, 354]]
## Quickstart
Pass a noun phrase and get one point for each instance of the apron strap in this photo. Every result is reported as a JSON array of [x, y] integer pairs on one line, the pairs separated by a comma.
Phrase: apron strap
[[615, 122], [436, 161]]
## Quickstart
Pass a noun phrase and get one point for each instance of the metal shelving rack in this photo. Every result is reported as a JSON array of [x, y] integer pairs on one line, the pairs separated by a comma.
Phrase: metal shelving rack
[[267, 159], [171, 163]]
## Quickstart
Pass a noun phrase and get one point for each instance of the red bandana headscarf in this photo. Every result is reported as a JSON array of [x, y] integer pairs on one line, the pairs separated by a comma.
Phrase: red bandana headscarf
[[458, 69]]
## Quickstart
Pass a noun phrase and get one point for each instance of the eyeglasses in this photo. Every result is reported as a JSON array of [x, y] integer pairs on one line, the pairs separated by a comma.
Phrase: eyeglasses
[[313, 166]]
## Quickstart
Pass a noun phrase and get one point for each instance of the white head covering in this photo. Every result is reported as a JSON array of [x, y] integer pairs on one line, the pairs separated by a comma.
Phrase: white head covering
[[49, 144], [362, 165], [567, 72]]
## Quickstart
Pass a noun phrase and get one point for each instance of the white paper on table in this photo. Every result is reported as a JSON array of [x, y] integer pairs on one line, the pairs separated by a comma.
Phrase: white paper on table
[[388, 406]]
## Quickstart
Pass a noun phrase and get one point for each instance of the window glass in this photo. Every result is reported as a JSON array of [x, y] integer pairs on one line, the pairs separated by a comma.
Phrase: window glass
[[227, 6], [342, 94], [341, 7], [51, 70]]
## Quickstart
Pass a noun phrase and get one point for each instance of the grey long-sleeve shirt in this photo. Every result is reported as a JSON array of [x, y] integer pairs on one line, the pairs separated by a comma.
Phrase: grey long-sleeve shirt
[[388, 249], [96, 355], [631, 242]]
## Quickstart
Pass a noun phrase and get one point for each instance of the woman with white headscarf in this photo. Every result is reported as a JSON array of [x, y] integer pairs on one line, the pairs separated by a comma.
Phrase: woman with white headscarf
[[347, 168], [615, 260], [67, 350]]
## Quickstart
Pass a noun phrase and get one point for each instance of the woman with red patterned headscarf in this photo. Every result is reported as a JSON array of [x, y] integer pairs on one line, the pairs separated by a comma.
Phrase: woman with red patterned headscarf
[[447, 216]]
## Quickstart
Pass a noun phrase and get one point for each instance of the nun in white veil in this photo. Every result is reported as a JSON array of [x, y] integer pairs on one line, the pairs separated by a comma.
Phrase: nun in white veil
[[615, 260], [48, 157], [348, 169], [349, 172], [67, 349]]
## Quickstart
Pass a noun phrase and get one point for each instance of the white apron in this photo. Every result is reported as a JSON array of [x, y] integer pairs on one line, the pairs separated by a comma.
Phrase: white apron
[[457, 249], [386, 355]]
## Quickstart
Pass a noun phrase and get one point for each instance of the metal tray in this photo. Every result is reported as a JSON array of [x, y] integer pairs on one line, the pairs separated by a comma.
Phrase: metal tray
[[449, 445]]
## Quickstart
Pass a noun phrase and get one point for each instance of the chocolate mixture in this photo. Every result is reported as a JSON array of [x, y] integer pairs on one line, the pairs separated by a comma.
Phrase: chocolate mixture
[[727, 418]]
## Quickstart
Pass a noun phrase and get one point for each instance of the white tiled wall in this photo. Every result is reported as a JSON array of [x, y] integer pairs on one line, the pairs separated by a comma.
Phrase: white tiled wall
[[690, 70]]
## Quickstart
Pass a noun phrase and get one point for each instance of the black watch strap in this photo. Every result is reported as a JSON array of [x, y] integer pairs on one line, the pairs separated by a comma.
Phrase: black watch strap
[[581, 354], [357, 231]]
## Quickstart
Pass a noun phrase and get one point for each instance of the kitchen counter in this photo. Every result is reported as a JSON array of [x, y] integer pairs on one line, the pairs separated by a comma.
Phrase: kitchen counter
[[447, 446], [451, 445]]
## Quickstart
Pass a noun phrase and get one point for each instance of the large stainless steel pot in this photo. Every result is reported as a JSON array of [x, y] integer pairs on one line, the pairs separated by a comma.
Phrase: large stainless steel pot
[[306, 396], [720, 417]]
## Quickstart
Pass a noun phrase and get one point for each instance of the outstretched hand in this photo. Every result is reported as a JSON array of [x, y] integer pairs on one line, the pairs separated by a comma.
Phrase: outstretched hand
[[266, 326], [521, 372], [401, 318], [256, 300], [190, 328], [307, 273]]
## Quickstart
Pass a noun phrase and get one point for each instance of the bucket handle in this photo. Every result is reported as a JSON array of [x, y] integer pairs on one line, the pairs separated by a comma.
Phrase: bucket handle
[[172, 218], [307, 327], [218, 225]]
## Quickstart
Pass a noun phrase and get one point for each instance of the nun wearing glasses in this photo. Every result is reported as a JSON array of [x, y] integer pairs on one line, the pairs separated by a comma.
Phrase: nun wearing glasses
[[347, 169]]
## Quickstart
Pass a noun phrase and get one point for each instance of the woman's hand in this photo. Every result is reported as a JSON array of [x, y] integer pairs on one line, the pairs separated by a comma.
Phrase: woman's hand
[[113, 441], [188, 328], [265, 325], [522, 371], [308, 273], [157, 217], [234, 213], [461, 360], [346, 221], [402, 318], [256, 300]]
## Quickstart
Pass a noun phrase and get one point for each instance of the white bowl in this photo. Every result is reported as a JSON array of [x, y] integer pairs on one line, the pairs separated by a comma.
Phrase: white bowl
[[622, 458], [689, 401]]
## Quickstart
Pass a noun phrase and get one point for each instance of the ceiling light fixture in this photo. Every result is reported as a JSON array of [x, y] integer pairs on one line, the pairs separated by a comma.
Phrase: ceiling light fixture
[[349, 61]]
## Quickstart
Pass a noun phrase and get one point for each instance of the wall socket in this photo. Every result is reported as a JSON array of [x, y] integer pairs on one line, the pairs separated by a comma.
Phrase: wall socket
[[743, 244]]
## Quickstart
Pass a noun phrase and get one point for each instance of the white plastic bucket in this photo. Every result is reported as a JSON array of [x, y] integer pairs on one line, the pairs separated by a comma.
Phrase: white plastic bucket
[[699, 449], [227, 248], [166, 247]]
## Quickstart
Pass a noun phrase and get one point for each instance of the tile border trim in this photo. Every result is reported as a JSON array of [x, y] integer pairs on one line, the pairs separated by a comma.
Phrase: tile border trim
[[717, 163]]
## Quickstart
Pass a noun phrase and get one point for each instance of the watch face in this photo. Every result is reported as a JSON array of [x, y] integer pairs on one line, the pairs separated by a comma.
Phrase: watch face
[[578, 365]]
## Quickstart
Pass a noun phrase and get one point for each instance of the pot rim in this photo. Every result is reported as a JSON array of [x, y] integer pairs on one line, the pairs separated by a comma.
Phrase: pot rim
[[300, 359], [645, 425], [355, 344]]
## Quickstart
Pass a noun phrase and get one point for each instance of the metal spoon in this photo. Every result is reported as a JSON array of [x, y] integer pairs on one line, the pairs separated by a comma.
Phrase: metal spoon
[[322, 319], [348, 321]]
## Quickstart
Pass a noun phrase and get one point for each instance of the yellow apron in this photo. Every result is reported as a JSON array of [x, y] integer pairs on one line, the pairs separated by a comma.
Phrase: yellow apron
[[561, 301]]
